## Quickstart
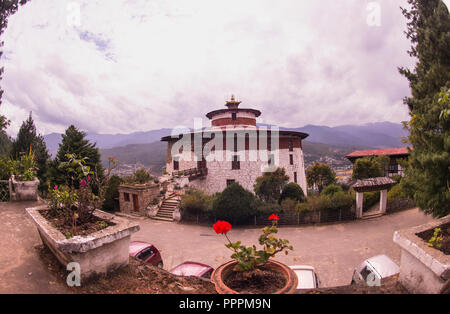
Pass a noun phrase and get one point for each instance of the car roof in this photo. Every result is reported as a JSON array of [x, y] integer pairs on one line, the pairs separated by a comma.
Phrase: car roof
[[383, 265], [137, 246], [190, 269], [305, 275]]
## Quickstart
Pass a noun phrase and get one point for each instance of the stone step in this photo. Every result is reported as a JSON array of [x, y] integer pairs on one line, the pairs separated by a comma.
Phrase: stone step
[[169, 206], [165, 212], [371, 215], [162, 219]]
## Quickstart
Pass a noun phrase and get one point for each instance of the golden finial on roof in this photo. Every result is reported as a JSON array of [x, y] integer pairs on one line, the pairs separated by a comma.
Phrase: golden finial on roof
[[232, 103]]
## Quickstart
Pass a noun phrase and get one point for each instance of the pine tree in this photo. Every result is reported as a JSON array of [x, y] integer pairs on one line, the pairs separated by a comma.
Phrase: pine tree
[[74, 142], [5, 140], [427, 171], [28, 138]]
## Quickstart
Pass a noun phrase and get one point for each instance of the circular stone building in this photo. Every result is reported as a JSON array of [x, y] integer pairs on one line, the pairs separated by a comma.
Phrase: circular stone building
[[234, 149]]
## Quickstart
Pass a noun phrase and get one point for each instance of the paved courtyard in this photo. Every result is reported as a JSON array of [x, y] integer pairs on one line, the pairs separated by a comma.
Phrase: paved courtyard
[[334, 249]]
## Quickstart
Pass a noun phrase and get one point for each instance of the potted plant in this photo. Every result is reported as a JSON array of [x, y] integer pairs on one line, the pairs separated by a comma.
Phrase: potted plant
[[74, 228], [24, 180], [252, 270]]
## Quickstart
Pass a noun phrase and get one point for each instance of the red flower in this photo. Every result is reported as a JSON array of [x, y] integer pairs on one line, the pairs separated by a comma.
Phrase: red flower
[[273, 216], [83, 183], [55, 187], [221, 227]]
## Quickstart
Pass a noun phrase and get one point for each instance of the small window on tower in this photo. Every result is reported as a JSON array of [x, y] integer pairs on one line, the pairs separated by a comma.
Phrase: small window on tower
[[233, 116], [235, 164], [295, 177], [291, 159], [230, 182], [176, 165]]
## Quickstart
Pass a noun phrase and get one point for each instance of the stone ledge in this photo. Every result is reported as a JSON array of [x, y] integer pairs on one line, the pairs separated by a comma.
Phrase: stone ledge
[[121, 229], [434, 259]]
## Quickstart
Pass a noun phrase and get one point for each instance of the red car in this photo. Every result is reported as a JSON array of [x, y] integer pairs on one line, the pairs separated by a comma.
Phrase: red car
[[193, 269], [146, 252]]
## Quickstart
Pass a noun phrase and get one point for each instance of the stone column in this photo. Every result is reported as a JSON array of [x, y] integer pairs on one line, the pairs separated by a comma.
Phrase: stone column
[[359, 204], [383, 201]]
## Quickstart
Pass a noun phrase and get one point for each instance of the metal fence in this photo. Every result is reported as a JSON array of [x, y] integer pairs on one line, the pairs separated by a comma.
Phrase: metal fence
[[287, 219], [4, 191]]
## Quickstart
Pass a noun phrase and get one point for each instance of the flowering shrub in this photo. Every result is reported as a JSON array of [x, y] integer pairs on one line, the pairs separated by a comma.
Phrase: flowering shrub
[[76, 205], [248, 258]]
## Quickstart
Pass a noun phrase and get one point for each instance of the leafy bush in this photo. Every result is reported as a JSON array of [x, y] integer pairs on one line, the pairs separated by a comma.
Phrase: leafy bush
[[266, 208], [196, 202], [8, 167], [396, 193], [268, 187], [235, 204], [293, 191], [331, 190], [337, 201], [111, 193], [341, 200], [289, 205], [142, 176], [370, 199]]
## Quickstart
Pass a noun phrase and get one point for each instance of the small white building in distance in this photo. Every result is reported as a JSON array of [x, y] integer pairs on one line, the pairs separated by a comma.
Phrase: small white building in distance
[[234, 149]]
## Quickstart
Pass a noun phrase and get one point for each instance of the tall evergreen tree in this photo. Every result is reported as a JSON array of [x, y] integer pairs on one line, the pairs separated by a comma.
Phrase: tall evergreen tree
[[5, 141], [74, 142], [427, 173], [29, 138]]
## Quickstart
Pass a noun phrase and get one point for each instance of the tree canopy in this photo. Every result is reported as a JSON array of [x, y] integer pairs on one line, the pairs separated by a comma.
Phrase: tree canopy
[[268, 187], [74, 142], [427, 178], [370, 167], [320, 175], [27, 139]]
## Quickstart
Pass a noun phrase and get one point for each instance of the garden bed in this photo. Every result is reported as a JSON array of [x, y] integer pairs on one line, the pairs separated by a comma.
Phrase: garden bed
[[428, 234], [93, 224]]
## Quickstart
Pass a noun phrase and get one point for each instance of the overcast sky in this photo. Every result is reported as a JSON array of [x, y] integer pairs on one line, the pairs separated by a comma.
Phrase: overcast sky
[[136, 65]]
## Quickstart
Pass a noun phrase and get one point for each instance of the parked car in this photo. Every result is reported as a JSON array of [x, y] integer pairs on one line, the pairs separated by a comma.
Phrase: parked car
[[372, 270], [307, 277], [146, 252], [193, 269]]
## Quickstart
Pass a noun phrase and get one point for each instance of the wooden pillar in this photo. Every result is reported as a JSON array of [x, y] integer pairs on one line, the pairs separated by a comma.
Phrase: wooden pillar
[[383, 201], [359, 204]]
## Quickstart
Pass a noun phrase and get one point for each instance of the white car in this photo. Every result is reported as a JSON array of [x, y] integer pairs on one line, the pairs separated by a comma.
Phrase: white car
[[374, 269], [307, 277]]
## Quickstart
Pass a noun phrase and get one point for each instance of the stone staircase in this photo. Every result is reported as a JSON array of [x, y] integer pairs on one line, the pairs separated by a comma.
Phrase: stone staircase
[[168, 206], [373, 212]]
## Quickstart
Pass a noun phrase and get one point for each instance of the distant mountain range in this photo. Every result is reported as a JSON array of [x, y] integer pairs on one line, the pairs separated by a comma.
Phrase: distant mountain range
[[145, 147]]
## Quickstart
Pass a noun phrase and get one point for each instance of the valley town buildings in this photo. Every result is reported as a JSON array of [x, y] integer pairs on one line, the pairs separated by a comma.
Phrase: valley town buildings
[[234, 149]]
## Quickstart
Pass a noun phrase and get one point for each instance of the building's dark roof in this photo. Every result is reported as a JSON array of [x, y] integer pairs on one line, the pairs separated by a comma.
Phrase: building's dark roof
[[282, 133], [211, 114], [378, 152], [368, 184]]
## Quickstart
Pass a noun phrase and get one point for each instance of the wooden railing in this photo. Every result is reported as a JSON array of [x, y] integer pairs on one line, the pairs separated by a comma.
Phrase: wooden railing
[[193, 173]]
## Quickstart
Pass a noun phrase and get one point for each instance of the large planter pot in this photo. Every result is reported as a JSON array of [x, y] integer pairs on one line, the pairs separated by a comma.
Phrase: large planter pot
[[423, 269], [224, 270], [24, 190], [98, 253]]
